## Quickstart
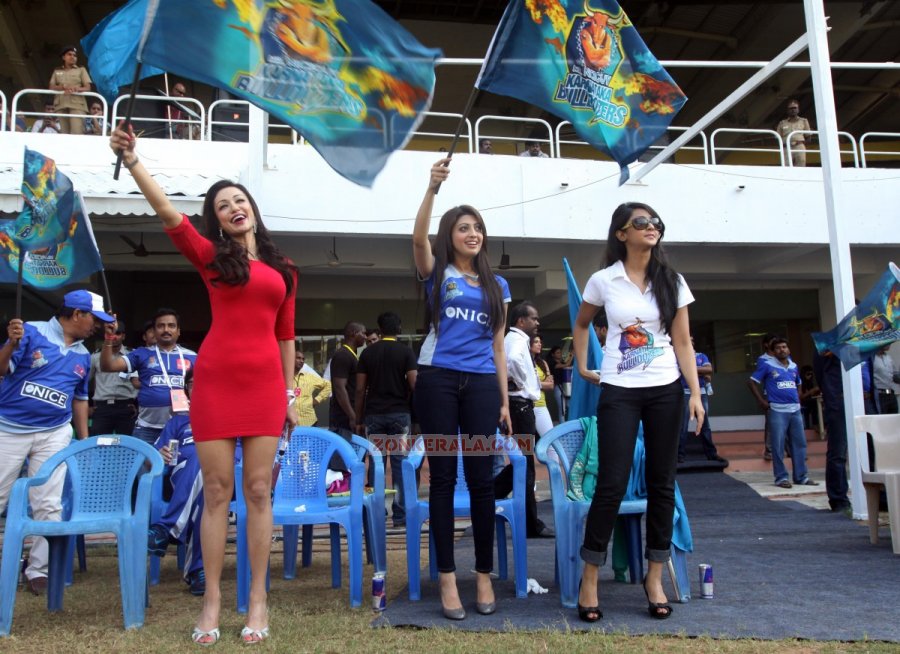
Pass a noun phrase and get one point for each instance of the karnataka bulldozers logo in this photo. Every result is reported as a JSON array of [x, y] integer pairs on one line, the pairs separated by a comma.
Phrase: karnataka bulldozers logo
[[874, 327], [636, 346], [593, 55]]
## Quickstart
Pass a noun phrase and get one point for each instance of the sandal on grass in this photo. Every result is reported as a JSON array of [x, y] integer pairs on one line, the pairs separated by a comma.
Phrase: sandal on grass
[[205, 638], [253, 636]]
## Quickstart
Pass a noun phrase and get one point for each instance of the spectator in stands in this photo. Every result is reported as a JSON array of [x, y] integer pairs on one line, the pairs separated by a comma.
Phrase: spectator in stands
[[532, 149], [15, 126], [49, 123], [94, 124], [559, 367], [180, 130], [71, 79], [485, 146], [791, 123]]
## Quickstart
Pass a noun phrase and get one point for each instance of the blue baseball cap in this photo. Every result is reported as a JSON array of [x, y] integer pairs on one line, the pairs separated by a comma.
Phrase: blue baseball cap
[[87, 301]]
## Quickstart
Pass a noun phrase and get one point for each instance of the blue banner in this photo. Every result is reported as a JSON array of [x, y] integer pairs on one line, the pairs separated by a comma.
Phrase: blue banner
[[342, 73], [111, 49], [583, 61], [583, 402], [53, 232], [874, 323]]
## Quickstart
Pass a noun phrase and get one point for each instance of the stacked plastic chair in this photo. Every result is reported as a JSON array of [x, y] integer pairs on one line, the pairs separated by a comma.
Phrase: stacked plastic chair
[[510, 511], [569, 516], [885, 431], [103, 472], [300, 499]]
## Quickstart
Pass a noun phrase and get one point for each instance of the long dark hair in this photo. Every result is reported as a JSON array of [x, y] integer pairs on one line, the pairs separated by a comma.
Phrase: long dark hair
[[230, 262], [444, 254], [538, 359], [663, 279]]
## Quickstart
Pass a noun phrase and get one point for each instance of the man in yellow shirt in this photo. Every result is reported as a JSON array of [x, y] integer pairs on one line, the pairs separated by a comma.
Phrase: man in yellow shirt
[[310, 390]]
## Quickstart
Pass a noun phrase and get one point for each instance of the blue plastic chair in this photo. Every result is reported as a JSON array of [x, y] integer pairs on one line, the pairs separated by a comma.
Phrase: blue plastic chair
[[103, 471], [508, 511], [569, 516], [300, 499], [374, 525]]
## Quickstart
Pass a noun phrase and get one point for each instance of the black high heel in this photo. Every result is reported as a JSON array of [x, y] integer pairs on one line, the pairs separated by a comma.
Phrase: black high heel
[[658, 610], [588, 613]]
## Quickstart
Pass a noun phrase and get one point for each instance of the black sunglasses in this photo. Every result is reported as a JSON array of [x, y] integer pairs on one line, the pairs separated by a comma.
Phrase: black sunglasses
[[641, 223]]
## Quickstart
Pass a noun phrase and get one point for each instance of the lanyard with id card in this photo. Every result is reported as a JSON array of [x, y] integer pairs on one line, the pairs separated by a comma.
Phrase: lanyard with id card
[[178, 399]]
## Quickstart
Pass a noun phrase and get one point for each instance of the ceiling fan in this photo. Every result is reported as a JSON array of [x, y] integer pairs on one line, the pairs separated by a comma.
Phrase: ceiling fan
[[139, 249], [506, 265], [334, 261]]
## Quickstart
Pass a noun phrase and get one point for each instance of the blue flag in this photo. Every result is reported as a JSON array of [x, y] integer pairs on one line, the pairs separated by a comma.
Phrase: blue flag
[[872, 324], [583, 61], [342, 73], [583, 402], [111, 49]]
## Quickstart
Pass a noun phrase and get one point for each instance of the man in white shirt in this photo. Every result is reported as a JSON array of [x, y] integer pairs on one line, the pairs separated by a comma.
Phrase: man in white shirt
[[524, 389], [886, 377]]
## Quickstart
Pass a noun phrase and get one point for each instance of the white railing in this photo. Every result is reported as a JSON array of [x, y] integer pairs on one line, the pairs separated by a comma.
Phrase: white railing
[[3, 114], [467, 135], [513, 119], [779, 150], [790, 150], [893, 136], [703, 147], [168, 123], [89, 95]]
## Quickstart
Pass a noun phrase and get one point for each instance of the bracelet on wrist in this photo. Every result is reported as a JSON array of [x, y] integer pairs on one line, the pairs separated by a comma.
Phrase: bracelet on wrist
[[131, 165]]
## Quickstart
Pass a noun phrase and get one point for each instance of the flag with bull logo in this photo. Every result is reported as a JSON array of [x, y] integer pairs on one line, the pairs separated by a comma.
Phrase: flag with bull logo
[[872, 324], [342, 73], [583, 60], [52, 234]]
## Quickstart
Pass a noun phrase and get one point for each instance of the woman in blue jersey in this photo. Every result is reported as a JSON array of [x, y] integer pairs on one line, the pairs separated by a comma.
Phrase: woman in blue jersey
[[461, 385], [648, 341]]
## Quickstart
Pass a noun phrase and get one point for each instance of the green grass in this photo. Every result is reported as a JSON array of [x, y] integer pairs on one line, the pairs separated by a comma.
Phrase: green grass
[[307, 615]]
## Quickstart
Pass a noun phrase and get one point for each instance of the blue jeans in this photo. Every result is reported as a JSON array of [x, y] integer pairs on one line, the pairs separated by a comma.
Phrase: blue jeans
[[391, 424], [788, 425], [450, 402], [147, 434]]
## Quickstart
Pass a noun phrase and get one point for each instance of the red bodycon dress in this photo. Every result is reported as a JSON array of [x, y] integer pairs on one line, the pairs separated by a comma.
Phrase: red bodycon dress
[[239, 387]]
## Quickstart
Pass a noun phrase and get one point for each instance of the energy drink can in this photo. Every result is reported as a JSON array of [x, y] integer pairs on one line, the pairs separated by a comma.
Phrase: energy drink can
[[173, 448], [379, 598], [706, 581]]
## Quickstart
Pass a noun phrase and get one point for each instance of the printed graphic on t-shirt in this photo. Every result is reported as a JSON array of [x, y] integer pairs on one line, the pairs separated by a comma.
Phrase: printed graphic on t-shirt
[[37, 359], [636, 346], [451, 290]]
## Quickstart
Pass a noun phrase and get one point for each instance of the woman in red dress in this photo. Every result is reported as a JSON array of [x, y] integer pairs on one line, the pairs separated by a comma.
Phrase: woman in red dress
[[244, 366]]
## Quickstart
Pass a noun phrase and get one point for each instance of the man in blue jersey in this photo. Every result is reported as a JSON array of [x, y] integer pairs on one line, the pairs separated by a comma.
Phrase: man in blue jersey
[[43, 394], [161, 369], [781, 379], [181, 520], [704, 372]]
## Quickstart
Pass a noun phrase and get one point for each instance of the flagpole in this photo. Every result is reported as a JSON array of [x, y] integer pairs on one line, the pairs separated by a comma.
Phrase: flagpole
[[473, 96], [19, 283], [106, 290], [128, 112]]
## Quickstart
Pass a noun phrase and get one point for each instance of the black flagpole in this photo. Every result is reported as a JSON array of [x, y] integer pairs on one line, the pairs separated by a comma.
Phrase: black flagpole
[[473, 96], [22, 254], [128, 112]]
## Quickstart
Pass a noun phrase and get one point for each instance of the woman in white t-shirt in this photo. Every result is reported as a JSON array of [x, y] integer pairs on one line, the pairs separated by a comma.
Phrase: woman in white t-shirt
[[647, 345], [461, 383]]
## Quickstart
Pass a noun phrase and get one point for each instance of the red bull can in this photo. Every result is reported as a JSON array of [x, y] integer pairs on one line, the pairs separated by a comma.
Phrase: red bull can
[[173, 448], [379, 598], [706, 581]]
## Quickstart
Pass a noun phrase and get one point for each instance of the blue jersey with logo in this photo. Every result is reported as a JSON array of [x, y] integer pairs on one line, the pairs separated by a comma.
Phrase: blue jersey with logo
[[149, 366], [782, 384], [44, 376], [702, 360], [464, 340]]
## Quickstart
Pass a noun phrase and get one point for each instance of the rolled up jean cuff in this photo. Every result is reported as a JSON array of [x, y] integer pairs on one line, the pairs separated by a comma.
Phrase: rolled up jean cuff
[[660, 556], [592, 557]]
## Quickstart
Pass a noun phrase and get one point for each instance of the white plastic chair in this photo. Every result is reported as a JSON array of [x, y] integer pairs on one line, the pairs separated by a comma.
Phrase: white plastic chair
[[885, 431]]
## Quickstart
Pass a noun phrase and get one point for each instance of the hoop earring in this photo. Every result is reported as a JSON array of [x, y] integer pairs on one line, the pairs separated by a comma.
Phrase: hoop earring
[[221, 234]]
